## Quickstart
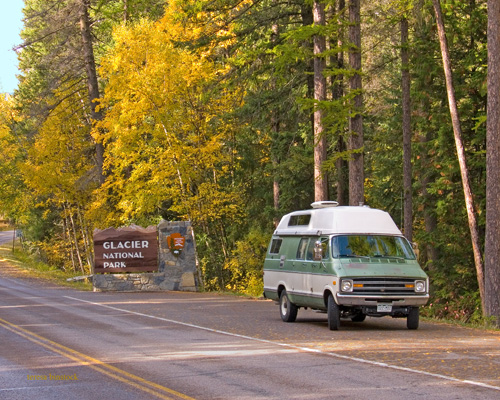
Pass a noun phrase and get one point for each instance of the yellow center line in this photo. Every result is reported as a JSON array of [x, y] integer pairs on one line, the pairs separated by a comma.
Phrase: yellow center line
[[137, 382]]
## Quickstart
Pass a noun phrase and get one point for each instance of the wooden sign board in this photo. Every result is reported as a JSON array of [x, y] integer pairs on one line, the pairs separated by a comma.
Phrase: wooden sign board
[[129, 249]]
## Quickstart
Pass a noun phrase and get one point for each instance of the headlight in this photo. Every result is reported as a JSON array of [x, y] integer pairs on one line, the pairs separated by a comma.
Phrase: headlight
[[420, 286], [346, 285]]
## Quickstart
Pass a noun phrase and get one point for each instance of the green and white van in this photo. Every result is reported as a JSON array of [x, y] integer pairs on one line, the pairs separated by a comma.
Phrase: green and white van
[[347, 261]]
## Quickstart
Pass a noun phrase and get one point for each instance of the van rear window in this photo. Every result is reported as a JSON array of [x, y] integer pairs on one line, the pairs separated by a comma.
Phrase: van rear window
[[302, 219], [275, 246]]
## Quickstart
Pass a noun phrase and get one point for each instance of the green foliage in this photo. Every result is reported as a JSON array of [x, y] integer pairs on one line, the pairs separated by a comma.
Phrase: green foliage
[[440, 226]]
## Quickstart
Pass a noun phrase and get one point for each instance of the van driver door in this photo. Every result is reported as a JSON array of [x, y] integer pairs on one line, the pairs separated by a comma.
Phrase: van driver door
[[317, 253]]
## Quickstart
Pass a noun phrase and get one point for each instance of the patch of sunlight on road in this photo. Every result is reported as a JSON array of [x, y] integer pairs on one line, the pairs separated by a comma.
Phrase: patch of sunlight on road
[[200, 354]]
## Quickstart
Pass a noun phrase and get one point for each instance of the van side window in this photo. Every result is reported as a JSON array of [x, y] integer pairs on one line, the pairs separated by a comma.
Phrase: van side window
[[310, 249], [275, 246], [301, 251], [296, 220]]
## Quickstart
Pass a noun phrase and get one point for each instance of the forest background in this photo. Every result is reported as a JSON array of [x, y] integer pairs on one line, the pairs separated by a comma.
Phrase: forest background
[[133, 111]]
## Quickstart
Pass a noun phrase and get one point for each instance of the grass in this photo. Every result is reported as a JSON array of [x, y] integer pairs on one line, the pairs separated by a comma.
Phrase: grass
[[25, 265], [484, 323]]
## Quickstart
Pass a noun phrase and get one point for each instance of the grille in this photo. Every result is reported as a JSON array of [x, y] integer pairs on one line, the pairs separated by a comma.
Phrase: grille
[[381, 286]]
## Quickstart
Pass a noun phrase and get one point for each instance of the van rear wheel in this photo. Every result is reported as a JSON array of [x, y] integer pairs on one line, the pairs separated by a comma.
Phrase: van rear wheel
[[333, 314], [288, 310]]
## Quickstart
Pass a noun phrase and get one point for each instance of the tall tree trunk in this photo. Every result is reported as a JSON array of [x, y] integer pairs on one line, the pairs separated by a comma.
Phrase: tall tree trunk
[[406, 109], [306, 14], [356, 163], [469, 200], [337, 93], [67, 234], [85, 238], [275, 125], [320, 180], [125, 11], [92, 82], [75, 240], [430, 253], [492, 244]]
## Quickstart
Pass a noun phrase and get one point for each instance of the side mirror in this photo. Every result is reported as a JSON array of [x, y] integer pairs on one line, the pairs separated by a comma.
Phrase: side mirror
[[318, 251], [416, 250]]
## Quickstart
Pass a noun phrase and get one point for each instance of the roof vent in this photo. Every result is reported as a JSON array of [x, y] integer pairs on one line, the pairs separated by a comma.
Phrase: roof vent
[[324, 204]]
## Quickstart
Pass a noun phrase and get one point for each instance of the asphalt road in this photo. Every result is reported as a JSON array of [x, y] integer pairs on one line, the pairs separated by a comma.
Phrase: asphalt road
[[58, 343], [6, 236]]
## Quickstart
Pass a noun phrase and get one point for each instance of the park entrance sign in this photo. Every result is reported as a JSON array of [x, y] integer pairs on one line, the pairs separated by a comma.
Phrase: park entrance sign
[[156, 258], [128, 249]]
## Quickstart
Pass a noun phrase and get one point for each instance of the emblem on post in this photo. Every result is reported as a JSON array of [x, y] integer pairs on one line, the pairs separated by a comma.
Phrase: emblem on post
[[176, 243]]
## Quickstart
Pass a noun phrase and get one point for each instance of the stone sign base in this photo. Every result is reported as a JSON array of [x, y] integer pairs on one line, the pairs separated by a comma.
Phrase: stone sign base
[[177, 267], [151, 282]]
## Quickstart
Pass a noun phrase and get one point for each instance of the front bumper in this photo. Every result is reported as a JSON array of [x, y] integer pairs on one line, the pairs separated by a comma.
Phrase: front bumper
[[349, 299]]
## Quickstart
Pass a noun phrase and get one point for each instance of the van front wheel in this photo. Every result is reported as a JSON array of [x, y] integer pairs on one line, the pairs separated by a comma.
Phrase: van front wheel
[[413, 318], [333, 314], [288, 310]]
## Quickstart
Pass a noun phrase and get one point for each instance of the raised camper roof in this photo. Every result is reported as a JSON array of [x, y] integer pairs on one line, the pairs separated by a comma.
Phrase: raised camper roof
[[326, 218]]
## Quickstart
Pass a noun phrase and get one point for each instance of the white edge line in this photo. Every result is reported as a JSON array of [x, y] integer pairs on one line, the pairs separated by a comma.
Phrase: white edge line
[[11, 389], [291, 346]]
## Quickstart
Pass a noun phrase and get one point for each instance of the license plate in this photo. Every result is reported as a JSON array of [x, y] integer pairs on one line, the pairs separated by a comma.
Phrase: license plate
[[384, 307]]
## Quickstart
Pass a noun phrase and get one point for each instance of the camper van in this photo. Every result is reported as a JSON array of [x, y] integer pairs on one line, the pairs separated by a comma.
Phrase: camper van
[[348, 261]]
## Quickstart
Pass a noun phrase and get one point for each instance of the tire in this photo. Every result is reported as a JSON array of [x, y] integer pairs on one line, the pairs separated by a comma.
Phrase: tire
[[358, 317], [288, 310], [333, 314], [413, 318]]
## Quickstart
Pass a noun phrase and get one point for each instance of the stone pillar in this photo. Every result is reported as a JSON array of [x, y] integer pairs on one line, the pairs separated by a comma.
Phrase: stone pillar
[[177, 256]]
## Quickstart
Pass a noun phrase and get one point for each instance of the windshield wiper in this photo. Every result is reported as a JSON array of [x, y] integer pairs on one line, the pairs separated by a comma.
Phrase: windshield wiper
[[357, 256], [388, 256]]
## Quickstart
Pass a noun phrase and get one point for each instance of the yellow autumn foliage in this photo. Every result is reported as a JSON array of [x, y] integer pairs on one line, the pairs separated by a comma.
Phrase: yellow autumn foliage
[[59, 164], [12, 202], [165, 134], [7, 148]]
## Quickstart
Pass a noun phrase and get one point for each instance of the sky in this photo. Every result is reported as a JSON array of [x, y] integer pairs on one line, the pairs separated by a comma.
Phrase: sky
[[10, 27]]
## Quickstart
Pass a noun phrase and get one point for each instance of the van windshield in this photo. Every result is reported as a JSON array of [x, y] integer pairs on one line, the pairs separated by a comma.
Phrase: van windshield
[[371, 246]]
